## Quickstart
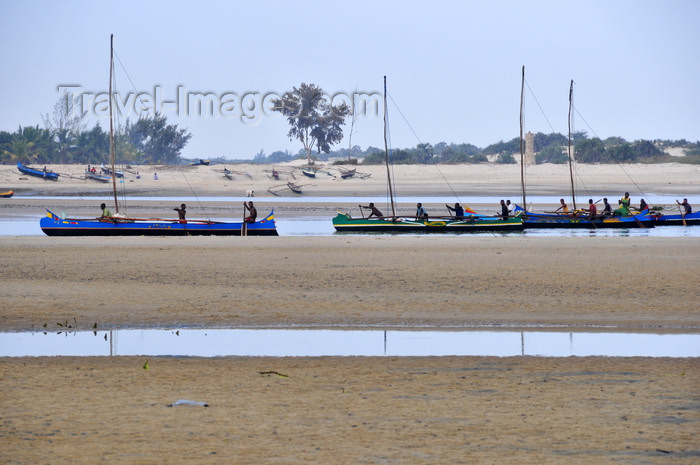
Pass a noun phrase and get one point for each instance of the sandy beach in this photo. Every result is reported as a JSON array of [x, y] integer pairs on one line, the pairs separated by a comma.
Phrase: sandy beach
[[414, 180], [86, 410]]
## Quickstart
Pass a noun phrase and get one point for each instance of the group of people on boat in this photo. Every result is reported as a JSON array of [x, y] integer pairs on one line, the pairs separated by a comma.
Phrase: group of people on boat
[[624, 208], [249, 208], [421, 213], [507, 209]]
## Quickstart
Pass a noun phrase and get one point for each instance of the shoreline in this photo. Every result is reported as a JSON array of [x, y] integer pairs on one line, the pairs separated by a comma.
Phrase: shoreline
[[410, 180]]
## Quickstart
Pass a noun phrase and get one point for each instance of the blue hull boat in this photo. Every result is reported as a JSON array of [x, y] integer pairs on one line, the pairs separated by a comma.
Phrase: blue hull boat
[[692, 219], [48, 175], [574, 221], [53, 225]]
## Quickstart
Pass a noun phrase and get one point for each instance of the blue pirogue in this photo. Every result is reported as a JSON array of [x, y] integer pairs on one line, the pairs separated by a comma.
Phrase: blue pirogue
[[54, 225], [580, 220], [691, 219], [48, 175]]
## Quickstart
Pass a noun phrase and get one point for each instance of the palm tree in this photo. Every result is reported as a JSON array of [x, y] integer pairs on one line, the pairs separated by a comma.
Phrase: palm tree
[[30, 145]]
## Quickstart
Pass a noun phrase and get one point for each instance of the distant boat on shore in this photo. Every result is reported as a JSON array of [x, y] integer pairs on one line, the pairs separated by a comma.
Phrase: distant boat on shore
[[48, 175]]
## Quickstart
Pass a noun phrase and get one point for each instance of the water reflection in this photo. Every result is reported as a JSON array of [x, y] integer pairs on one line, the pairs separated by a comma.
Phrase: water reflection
[[313, 343]]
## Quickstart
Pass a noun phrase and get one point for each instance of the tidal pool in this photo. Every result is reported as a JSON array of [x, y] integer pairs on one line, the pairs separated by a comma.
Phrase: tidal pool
[[334, 342]]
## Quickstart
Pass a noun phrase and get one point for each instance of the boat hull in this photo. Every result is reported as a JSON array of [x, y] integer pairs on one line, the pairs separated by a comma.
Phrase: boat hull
[[552, 221], [7, 194], [345, 223], [52, 225], [615, 222], [98, 177], [692, 219], [50, 176]]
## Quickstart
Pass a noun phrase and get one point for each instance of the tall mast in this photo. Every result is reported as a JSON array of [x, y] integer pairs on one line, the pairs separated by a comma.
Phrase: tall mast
[[571, 169], [386, 158], [111, 122], [522, 151]]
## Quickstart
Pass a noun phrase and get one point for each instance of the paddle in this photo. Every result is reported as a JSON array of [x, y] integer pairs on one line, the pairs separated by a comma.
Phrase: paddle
[[639, 223], [244, 226], [682, 214]]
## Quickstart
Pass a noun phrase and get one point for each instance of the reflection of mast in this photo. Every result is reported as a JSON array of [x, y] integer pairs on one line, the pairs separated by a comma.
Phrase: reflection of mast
[[571, 343], [385, 342], [522, 338]]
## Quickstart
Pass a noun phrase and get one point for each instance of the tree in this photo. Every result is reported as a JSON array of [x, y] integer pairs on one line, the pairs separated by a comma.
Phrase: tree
[[505, 158], [621, 152], [590, 151], [646, 149], [611, 141], [512, 146], [424, 153], [553, 153], [157, 141], [29, 145], [65, 125], [92, 146], [313, 120], [542, 141]]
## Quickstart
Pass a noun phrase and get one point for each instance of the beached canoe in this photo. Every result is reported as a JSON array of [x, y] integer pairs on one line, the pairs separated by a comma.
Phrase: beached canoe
[[48, 175]]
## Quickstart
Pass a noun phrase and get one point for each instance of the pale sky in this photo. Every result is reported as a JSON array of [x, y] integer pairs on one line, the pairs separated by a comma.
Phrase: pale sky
[[453, 67]]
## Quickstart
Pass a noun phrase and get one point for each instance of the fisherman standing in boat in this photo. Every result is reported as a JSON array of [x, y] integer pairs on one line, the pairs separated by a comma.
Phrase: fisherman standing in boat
[[623, 209], [252, 212], [181, 212], [626, 201], [421, 214], [458, 209], [373, 211]]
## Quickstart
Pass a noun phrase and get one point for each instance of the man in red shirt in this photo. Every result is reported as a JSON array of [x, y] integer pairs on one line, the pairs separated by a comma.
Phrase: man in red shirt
[[592, 210]]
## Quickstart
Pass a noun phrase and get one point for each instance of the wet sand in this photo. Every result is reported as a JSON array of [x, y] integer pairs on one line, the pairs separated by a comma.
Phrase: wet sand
[[86, 410], [349, 410], [634, 284]]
